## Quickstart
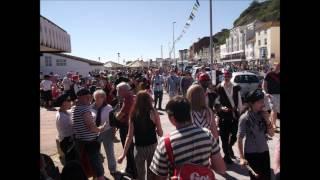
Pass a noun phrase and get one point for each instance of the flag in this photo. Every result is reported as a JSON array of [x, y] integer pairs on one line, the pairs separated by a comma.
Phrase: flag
[[192, 14], [194, 8], [198, 3]]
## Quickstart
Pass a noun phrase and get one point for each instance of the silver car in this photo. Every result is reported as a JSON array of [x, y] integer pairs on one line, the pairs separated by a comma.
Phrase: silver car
[[246, 80]]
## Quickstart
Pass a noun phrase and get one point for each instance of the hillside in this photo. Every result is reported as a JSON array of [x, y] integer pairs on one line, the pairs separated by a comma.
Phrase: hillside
[[264, 11]]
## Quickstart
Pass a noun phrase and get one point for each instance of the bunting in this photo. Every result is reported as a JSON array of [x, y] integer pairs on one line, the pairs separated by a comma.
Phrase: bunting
[[189, 20]]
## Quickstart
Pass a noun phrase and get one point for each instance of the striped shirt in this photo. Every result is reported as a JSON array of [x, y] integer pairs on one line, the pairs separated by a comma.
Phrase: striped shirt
[[190, 144], [201, 118], [80, 128]]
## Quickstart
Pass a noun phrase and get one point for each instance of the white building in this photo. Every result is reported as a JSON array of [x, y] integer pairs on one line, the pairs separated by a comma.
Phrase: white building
[[223, 51], [267, 42], [237, 41], [62, 63], [250, 50]]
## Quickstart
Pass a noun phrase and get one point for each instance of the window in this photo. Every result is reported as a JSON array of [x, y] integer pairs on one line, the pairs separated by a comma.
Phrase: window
[[259, 33], [259, 43], [246, 79], [265, 41], [265, 31], [61, 62], [47, 60]]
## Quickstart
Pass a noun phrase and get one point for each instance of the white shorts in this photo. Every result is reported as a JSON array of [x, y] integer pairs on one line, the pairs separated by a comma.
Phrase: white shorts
[[275, 102]]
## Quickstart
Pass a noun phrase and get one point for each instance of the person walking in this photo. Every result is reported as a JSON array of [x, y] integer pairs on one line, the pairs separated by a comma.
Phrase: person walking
[[185, 83], [144, 125], [201, 115], [64, 127], [157, 84], [124, 92], [46, 89], [254, 127], [271, 86], [229, 106], [86, 135], [173, 84], [201, 148], [100, 111]]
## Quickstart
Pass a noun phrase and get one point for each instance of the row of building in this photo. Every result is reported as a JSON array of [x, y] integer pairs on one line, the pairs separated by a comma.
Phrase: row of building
[[256, 43]]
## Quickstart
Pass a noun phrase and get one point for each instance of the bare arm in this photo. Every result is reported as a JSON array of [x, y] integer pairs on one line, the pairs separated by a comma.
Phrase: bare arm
[[128, 141], [265, 86], [88, 120], [217, 163], [156, 119], [240, 147]]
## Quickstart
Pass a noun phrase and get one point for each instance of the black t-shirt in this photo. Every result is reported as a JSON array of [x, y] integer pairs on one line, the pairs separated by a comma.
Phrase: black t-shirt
[[273, 82]]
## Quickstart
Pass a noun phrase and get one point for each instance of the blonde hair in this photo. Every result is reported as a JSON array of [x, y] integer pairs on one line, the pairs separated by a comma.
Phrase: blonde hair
[[196, 97]]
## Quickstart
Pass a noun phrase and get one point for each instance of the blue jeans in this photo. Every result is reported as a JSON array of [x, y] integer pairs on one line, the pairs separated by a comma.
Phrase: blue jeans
[[106, 138]]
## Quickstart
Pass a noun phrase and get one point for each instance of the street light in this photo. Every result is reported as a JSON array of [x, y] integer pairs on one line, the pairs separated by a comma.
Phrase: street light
[[174, 54], [118, 57]]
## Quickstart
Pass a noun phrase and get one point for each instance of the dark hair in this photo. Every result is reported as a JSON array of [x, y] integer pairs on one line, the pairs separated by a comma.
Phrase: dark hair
[[179, 108], [73, 171], [142, 105]]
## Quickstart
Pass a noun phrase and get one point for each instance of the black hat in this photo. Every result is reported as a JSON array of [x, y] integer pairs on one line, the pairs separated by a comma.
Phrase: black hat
[[62, 98], [83, 92], [254, 96]]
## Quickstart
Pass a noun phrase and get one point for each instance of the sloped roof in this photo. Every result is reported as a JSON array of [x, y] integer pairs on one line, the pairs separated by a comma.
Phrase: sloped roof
[[137, 63], [111, 64], [90, 62]]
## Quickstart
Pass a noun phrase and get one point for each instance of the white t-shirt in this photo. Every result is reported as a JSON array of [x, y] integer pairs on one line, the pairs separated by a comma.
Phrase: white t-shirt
[[64, 125], [46, 85], [66, 83], [104, 115]]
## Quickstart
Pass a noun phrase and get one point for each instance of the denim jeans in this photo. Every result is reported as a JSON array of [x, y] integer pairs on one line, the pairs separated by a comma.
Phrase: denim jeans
[[106, 138]]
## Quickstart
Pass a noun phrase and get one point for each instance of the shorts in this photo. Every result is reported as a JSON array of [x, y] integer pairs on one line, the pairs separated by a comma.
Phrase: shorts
[[275, 102], [47, 95]]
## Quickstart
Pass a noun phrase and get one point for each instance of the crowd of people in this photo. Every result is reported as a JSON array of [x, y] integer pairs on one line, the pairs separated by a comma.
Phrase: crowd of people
[[91, 109]]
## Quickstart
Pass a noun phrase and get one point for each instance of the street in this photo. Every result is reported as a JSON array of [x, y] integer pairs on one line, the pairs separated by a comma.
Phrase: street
[[48, 134]]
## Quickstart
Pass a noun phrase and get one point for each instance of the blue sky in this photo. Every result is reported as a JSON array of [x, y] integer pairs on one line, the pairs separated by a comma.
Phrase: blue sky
[[136, 29]]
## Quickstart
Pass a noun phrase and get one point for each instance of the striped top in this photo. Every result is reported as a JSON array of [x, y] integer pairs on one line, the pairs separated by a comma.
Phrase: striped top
[[190, 144], [201, 118], [81, 131]]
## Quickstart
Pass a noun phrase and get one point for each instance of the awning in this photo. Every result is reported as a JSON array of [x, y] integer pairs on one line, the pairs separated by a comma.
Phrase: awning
[[53, 38], [233, 60]]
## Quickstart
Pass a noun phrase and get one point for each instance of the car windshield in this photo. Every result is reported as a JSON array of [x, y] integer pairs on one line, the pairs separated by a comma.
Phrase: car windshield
[[246, 79]]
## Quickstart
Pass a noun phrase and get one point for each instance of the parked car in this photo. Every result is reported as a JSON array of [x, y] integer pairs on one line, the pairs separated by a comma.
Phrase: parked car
[[246, 80]]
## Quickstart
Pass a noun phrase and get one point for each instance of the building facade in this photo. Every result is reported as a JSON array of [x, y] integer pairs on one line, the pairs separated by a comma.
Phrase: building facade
[[267, 43], [63, 63]]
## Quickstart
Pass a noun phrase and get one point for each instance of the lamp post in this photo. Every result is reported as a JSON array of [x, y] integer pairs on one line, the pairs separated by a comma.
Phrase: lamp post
[[174, 54], [118, 57]]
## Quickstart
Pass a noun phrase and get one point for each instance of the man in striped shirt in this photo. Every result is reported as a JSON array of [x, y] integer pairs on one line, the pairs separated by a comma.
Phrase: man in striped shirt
[[86, 132], [190, 144]]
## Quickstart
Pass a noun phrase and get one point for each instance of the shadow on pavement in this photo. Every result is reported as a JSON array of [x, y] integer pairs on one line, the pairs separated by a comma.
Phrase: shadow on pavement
[[238, 169]]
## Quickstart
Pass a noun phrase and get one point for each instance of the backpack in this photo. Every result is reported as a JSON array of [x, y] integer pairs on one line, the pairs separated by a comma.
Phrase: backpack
[[188, 171]]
